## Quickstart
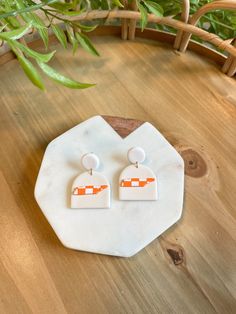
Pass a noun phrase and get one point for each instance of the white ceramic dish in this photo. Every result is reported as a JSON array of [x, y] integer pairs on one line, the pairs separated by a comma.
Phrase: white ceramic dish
[[127, 226]]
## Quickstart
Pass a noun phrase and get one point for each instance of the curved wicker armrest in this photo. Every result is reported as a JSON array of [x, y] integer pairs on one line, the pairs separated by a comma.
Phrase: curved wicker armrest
[[188, 28], [220, 4]]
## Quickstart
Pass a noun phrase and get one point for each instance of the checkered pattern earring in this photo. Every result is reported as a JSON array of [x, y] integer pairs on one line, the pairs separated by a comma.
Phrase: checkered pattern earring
[[137, 182], [90, 189]]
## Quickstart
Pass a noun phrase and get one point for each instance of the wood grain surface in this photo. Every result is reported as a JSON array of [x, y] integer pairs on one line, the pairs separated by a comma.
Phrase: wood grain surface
[[191, 267]]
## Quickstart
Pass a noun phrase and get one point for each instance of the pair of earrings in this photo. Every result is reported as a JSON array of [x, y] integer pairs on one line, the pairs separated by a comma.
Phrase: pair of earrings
[[91, 189]]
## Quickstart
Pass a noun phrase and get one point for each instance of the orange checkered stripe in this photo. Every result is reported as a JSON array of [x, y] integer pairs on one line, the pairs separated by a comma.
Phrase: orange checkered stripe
[[89, 189], [135, 182]]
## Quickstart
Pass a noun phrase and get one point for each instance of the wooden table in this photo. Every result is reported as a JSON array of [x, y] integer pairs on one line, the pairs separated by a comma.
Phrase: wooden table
[[191, 268]]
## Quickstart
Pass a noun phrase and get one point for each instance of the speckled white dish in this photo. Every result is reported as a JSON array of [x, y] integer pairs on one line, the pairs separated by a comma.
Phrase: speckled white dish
[[127, 226]]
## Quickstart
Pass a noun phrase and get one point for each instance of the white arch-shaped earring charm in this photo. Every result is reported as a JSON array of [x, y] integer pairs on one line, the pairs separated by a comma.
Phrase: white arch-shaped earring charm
[[137, 182], [90, 189]]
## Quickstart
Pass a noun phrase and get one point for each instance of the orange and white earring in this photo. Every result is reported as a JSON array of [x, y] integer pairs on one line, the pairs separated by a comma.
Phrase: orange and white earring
[[137, 182], [90, 189]]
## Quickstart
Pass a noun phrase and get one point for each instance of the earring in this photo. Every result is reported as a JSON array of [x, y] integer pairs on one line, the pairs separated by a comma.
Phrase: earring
[[90, 189], [137, 182]]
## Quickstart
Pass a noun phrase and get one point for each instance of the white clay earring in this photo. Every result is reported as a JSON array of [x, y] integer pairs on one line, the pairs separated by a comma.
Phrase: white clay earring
[[90, 189], [137, 182]]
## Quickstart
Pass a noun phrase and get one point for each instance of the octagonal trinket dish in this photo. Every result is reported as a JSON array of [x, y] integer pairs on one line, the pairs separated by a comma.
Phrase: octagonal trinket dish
[[127, 226]]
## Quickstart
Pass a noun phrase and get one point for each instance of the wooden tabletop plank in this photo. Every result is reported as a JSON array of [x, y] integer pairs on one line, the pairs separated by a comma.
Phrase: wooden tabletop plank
[[191, 267]]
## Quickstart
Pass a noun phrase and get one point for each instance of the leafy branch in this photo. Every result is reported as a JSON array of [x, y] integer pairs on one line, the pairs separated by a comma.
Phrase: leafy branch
[[18, 17], [31, 8]]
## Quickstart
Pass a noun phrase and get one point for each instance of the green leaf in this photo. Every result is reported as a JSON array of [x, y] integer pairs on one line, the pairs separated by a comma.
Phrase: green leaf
[[44, 35], [232, 19], [30, 71], [30, 18], [13, 22], [7, 5], [86, 28], [75, 46], [16, 33], [60, 35], [86, 44], [75, 3], [28, 9], [72, 13], [95, 5], [70, 33], [117, 3], [60, 6], [2, 27], [194, 2], [31, 53], [154, 7], [144, 15], [20, 4], [104, 5], [38, 23], [72, 39], [61, 79]]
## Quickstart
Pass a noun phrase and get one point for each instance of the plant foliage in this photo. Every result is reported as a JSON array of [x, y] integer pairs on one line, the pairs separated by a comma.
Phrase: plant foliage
[[18, 17]]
